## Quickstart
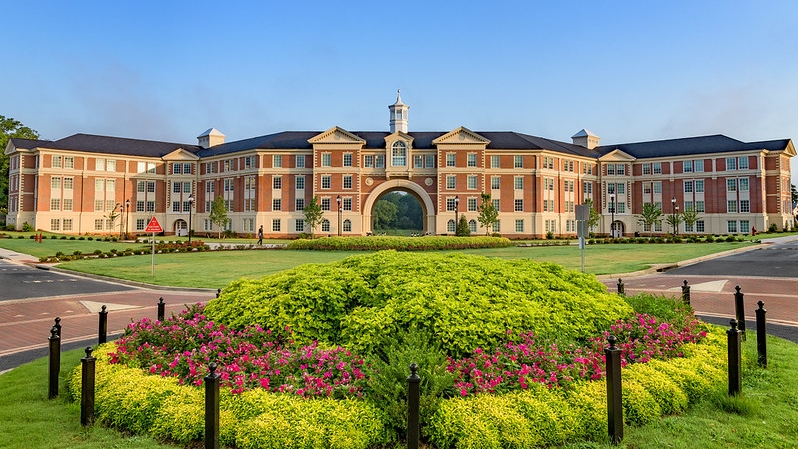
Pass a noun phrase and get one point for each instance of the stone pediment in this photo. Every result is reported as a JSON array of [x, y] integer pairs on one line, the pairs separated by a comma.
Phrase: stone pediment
[[617, 156], [336, 135], [180, 155], [461, 136]]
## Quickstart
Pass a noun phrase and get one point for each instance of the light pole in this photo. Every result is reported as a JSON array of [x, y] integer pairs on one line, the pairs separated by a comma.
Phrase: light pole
[[127, 214], [612, 215], [673, 215], [121, 211], [338, 200], [190, 205], [676, 220], [456, 210]]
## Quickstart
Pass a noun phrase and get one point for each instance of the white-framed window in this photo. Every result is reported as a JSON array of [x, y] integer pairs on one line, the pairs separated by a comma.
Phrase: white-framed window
[[399, 154], [656, 168], [325, 204], [451, 226], [471, 182], [497, 226], [379, 161], [325, 225], [731, 226], [277, 182], [698, 165], [610, 169], [276, 225], [518, 205], [56, 162], [177, 169], [745, 226], [69, 183], [347, 227], [657, 186], [99, 205], [620, 169], [429, 161], [620, 208], [471, 160], [141, 224], [518, 161], [277, 161], [418, 161], [368, 161], [688, 186], [646, 169], [518, 182], [742, 163], [731, 206], [587, 188], [55, 203], [67, 205], [450, 159], [347, 159], [98, 224], [300, 161], [472, 204], [346, 204], [496, 203], [699, 226], [495, 182], [326, 182], [300, 204], [326, 159], [277, 204], [248, 225], [687, 166], [67, 224], [731, 185], [743, 184], [699, 206], [300, 182], [175, 206], [494, 162], [299, 225], [150, 186], [699, 186], [647, 188], [186, 167], [176, 187], [451, 204], [55, 182], [745, 206], [472, 225], [731, 164], [519, 225], [451, 182], [347, 181], [69, 162]]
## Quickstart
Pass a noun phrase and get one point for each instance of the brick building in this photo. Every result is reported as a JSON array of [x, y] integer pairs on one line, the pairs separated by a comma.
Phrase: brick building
[[99, 184]]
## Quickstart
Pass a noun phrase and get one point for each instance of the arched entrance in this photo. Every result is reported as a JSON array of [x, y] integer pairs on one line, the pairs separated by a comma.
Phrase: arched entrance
[[616, 229], [403, 185], [181, 227]]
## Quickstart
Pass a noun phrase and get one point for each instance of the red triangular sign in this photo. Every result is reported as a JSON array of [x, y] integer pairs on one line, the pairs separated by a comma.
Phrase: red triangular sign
[[154, 226]]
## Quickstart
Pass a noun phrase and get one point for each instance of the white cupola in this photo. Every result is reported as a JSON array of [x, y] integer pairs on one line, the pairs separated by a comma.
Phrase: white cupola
[[586, 139], [210, 138], [398, 113]]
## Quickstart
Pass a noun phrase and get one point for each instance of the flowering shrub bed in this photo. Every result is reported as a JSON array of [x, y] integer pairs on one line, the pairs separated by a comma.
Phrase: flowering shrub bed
[[425, 243]]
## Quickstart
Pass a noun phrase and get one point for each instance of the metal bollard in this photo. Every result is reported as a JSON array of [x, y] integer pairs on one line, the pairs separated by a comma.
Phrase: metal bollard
[[413, 406], [739, 310], [761, 335], [621, 287], [212, 408], [87, 389], [735, 359], [218, 292], [614, 392], [686, 293], [161, 309], [55, 362], [103, 332], [58, 325]]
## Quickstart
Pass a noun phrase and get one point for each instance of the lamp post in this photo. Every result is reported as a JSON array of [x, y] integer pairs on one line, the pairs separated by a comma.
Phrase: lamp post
[[456, 211], [676, 221], [190, 205], [127, 214], [121, 211], [612, 215], [673, 214], [338, 200]]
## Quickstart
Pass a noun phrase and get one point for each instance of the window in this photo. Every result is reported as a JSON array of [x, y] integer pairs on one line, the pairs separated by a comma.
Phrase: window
[[379, 162], [745, 206], [646, 169], [186, 167], [277, 204], [140, 206], [175, 206], [347, 203], [495, 182], [98, 224], [472, 204], [347, 226], [99, 184], [187, 206], [731, 164], [150, 167], [698, 166], [325, 225], [688, 205], [450, 226], [69, 183], [150, 186], [497, 226], [69, 162], [277, 182], [248, 225], [67, 224], [519, 225], [326, 160], [418, 161], [399, 154], [176, 187], [656, 168], [731, 226], [471, 160], [277, 161], [450, 159], [141, 186], [494, 162], [610, 169], [518, 205], [472, 182], [177, 169], [141, 224], [688, 186], [326, 182], [731, 206], [150, 206], [743, 184], [368, 161], [687, 166], [300, 161], [745, 226], [109, 205], [518, 161], [451, 182], [699, 186], [731, 185], [518, 183], [275, 225], [620, 189], [620, 169], [55, 204], [621, 208], [647, 188], [99, 205], [67, 205], [430, 160], [347, 181], [699, 226], [56, 162], [348, 160], [472, 225], [300, 204], [451, 204], [55, 182], [587, 188], [742, 163], [299, 225], [699, 206], [300, 182], [325, 204], [657, 187]]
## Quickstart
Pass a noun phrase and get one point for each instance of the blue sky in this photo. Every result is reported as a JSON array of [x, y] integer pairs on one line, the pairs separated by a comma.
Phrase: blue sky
[[625, 70]]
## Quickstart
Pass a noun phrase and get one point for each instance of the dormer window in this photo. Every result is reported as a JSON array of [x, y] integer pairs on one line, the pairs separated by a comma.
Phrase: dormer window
[[399, 154]]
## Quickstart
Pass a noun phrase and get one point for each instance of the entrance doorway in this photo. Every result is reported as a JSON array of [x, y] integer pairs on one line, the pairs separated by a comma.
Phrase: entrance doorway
[[616, 229], [181, 228]]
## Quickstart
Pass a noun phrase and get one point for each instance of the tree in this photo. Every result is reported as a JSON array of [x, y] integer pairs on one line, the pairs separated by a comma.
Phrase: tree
[[313, 215], [10, 128], [488, 215], [218, 215], [462, 229], [690, 216], [113, 215], [793, 193], [649, 216], [384, 214], [593, 221], [674, 220]]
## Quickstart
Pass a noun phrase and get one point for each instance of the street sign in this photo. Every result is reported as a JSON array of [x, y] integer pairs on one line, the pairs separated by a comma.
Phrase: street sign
[[583, 212], [154, 226], [581, 229]]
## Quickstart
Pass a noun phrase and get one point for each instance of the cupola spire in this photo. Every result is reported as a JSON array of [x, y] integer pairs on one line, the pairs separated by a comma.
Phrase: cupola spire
[[398, 111]]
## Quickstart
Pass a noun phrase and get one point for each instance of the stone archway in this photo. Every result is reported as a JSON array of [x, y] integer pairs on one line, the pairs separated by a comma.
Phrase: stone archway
[[180, 227], [427, 206]]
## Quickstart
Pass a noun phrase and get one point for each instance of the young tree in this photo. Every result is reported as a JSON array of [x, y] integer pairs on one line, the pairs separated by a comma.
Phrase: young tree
[[10, 128], [487, 213], [649, 216], [690, 216], [113, 215], [462, 229], [218, 215], [674, 220], [593, 221], [313, 215]]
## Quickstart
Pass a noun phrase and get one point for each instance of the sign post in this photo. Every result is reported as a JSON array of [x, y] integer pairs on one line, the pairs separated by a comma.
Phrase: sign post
[[582, 218], [154, 227]]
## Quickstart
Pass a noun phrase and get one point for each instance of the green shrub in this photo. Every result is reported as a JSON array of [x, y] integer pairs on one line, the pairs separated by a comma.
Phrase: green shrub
[[658, 305], [374, 243], [27, 227]]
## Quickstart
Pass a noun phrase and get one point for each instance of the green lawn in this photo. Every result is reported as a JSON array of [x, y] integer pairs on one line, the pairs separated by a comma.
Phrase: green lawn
[[764, 416]]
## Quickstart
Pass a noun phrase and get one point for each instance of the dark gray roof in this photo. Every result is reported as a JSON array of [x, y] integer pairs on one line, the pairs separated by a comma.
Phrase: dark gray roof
[[691, 146], [27, 144], [118, 145]]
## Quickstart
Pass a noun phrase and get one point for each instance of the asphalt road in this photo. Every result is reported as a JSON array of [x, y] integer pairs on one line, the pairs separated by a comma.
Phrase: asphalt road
[[18, 281], [773, 260]]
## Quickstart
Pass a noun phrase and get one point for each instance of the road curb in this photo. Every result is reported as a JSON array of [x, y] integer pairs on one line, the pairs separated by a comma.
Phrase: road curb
[[111, 280]]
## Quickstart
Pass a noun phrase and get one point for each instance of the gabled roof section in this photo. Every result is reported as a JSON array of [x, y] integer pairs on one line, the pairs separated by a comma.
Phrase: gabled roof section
[[180, 155], [584, 133], [16, 144], [688, 146], [461, 135], [118, 145], [336, 135], [617, 155], [211, 132]]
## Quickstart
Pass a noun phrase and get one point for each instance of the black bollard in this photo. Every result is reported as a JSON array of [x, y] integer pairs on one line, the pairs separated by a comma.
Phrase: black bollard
[[218, 292], [413, 406], [614, 392], [761, 335], [621, 287], [161, 309], [686, 293], [103, 333], [87, 389], [58, 325], [212, 408], [735, 359], [739, 310], [55, 362]]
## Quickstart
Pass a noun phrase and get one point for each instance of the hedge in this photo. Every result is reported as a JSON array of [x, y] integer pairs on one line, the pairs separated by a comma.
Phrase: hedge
[[375, 243]]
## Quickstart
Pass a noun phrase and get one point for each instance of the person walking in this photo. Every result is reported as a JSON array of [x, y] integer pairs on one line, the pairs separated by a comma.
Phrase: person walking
[[260, 235]]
